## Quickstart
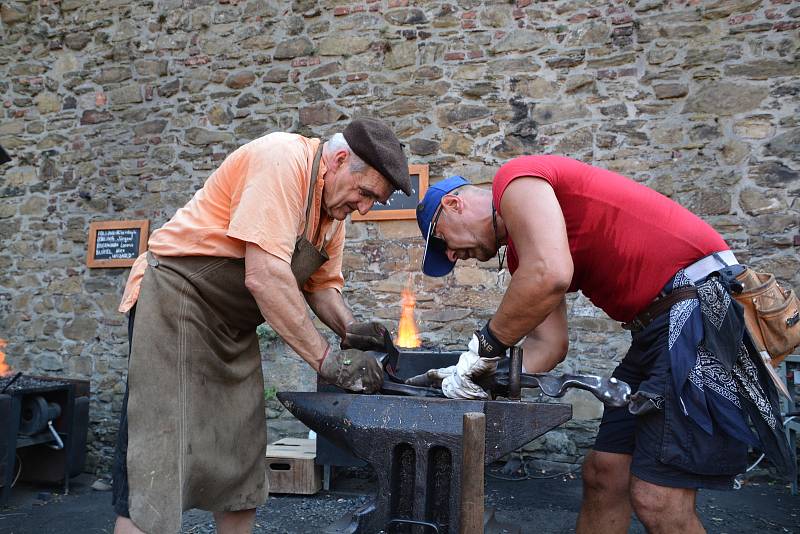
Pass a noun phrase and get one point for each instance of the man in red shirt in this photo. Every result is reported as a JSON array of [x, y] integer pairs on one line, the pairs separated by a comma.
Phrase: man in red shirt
[[569, 226]]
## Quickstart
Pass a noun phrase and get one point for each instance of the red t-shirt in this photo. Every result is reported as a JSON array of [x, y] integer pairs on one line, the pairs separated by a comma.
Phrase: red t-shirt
[[626, 240]]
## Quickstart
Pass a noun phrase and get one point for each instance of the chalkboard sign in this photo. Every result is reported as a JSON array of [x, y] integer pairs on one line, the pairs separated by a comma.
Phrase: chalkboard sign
[[400, 206], [116, 243]]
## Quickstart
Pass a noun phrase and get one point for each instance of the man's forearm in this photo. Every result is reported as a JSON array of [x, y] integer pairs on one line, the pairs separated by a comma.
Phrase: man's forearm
[[331, 309], [274, 289], [286, 313], [547, 345], [540, 356], [530, 298]]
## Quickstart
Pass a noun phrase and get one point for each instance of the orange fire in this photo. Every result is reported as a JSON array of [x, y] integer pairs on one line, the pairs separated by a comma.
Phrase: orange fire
[[407, 335], [5, 369]]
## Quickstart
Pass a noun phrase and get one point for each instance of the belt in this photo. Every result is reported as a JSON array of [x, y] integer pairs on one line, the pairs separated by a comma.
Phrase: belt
[[658, 307], [714, 262], [696, 272]]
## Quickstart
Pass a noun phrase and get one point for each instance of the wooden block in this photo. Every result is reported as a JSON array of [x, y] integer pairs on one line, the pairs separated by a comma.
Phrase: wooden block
[[291, 467]]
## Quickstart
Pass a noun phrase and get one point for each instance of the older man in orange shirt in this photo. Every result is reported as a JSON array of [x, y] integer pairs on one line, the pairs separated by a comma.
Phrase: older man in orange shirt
[[261, 239]]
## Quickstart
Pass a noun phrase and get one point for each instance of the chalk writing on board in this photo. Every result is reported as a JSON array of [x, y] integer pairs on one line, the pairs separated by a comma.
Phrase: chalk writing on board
[[399, 200], [114, 244], [117, 244], [399, 206]]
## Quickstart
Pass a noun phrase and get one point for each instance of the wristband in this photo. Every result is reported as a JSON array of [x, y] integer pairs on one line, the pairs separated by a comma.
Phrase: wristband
[[324, 355], [488, 345]]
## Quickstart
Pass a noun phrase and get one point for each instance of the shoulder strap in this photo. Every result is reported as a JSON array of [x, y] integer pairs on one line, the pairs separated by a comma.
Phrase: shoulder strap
[[312, 185]]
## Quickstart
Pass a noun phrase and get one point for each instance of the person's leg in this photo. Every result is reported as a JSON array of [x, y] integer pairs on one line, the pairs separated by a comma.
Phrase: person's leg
[[119, 494], [240, 522], [606, 505], [125, 526], [663, 510]]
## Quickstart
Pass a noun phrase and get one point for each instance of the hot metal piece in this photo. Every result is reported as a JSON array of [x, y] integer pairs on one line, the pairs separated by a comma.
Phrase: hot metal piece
[[415, 447]]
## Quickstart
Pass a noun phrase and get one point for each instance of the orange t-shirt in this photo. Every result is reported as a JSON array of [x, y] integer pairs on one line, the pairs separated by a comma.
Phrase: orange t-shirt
[[258, 195]]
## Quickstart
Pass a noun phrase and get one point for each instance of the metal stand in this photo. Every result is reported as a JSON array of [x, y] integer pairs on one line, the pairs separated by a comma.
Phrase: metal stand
[[791, 425], [10, 415], [327, 473]]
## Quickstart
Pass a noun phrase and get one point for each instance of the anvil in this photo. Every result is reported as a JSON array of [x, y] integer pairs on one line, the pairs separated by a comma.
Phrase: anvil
[[414, 445]]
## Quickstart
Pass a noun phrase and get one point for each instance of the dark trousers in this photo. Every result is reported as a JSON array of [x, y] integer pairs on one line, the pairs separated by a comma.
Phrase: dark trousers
[[119, 493]]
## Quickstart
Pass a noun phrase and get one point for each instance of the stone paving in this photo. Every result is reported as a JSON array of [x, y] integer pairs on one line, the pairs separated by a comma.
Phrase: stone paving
[[538, 506]]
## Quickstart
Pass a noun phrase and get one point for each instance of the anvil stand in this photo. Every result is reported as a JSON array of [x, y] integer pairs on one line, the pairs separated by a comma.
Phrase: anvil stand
[[415, 446]]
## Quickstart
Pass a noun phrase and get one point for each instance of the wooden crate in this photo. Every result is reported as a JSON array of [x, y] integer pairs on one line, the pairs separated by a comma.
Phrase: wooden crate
[[291, 468]]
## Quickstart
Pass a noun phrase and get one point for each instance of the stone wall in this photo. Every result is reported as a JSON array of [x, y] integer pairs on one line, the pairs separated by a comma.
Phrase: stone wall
[[119, 110]]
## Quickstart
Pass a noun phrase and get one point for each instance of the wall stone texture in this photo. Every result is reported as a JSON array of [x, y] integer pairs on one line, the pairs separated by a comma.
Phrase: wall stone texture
[[120, 110]]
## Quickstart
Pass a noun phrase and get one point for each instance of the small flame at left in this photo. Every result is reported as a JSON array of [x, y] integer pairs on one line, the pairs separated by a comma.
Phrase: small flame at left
[[407, 333], [5, 369]]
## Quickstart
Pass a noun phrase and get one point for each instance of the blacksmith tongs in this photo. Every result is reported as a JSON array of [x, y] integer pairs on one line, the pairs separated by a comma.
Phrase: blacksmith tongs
[[506, 383]]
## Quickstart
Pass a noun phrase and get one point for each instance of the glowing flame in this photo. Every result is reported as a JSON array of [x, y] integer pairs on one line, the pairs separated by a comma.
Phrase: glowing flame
[[407, 335], [5, 369]]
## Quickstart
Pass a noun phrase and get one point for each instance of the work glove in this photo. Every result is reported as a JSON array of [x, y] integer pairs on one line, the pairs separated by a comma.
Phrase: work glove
[[432, 377], [488, 345], [352, 370], [364, 336], [460, 381]]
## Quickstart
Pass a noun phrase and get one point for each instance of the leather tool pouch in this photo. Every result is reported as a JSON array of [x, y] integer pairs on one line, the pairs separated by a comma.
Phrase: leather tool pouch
[[772, 313]]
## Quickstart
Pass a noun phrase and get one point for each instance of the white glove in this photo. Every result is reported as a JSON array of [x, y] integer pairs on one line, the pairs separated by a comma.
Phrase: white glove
[[432, 377], [460, 382]]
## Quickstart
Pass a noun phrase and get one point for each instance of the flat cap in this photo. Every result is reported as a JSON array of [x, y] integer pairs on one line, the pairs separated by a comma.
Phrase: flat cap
[[375, 143]]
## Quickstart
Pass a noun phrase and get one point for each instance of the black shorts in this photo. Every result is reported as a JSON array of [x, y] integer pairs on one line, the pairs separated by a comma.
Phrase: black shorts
[[668, 449], [119, 472]]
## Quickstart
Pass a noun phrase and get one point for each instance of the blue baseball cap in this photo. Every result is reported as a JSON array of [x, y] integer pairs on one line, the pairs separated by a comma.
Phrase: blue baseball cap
[[435, 261]]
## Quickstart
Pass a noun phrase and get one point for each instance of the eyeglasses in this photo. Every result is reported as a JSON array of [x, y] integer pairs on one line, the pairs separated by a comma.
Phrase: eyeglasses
[[433, 241], [432, 229]]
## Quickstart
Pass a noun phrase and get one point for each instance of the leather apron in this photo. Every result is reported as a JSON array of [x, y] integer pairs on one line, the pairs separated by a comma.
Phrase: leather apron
[[197, 431]]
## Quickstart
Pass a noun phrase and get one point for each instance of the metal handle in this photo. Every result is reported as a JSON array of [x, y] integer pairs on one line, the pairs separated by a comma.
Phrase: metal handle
[[55, 436], [514, 373], [425, 524], [609, 391]]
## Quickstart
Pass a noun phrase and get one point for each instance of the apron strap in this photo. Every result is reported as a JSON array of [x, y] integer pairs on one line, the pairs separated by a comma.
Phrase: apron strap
[[312, 185]]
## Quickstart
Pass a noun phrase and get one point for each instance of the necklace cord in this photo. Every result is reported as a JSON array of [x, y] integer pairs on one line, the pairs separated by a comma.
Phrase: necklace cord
[[501, 258]]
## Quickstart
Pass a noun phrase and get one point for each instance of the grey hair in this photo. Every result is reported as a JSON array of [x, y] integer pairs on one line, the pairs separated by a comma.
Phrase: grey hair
[[338, 142]]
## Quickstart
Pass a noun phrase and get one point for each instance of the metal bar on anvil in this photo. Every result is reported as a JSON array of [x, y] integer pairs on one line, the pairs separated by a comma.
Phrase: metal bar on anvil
[[507, 381], [419, 439]]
